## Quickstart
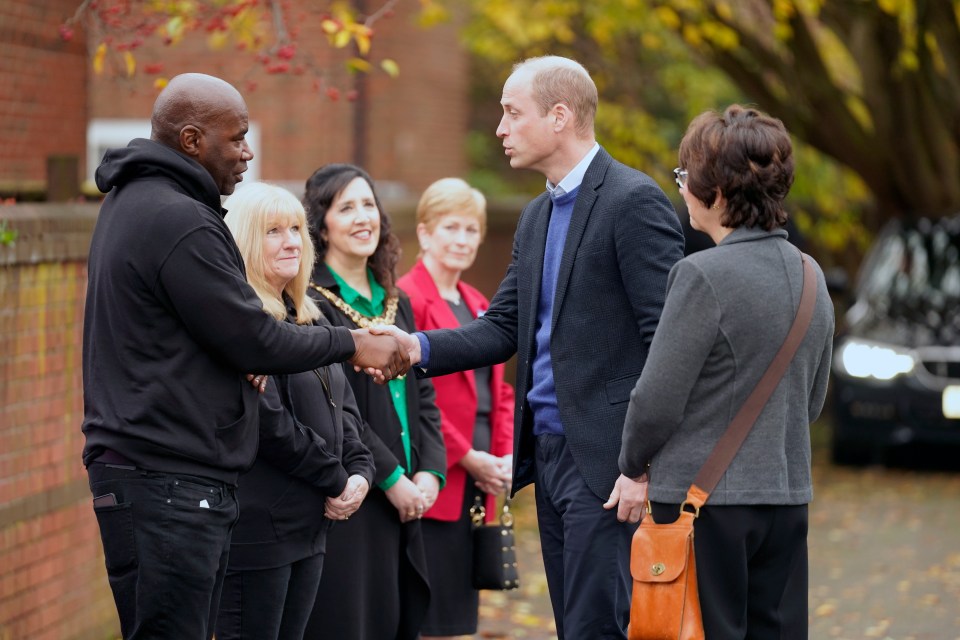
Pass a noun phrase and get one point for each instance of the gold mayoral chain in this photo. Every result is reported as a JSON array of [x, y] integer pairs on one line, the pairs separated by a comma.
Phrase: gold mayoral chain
[[388, 316]]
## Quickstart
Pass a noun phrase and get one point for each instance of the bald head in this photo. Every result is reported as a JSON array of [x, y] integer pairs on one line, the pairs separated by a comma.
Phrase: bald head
[[553, 80], [205, 118], [191, 99]]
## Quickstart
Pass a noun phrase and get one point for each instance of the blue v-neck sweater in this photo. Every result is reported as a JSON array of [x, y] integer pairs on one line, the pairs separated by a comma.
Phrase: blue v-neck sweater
[[543, 393]]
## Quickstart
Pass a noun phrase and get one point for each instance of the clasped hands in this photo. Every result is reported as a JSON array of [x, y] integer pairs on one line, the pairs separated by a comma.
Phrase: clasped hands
[[384, 352], [343, 506], [491, 474], [412, 497]]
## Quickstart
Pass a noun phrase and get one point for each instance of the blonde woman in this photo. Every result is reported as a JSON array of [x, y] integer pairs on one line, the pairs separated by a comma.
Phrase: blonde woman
[[312, 468], [476, 407]]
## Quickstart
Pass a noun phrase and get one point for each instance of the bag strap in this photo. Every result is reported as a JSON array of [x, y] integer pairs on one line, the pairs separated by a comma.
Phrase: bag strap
[[478, 512], [728, 446]]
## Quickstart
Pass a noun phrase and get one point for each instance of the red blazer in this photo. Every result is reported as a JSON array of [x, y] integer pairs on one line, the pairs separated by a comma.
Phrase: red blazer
[[457, 392]]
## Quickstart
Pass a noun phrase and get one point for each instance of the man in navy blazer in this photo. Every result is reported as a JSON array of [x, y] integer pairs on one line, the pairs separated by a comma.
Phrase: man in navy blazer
[[579, 305]]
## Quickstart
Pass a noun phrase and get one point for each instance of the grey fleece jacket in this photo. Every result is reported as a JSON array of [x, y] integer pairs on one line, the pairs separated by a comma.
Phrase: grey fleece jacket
[[726, 314]]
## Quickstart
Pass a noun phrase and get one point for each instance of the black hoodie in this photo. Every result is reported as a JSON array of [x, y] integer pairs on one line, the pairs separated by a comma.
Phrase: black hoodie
[[171, 326]]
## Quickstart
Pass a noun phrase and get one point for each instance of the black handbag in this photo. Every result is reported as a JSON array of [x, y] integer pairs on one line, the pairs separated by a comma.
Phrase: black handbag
[[494, 550]]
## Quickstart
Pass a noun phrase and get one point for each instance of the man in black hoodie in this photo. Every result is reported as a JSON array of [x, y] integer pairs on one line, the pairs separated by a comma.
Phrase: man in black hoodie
[[170, 329]]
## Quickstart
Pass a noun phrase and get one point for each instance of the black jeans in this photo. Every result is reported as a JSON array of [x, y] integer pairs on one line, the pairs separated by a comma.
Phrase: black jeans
[[269, 604], [165, 543]]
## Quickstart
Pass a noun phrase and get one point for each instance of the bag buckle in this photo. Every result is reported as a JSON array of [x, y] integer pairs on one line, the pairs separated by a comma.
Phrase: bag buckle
[[477, 512], [506, 518]]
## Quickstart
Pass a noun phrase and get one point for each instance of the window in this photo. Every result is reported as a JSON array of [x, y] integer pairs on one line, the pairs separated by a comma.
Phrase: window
[[107, 133]]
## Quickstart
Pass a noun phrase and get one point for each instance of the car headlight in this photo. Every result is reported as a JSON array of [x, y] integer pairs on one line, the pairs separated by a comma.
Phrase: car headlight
[[861, 359]]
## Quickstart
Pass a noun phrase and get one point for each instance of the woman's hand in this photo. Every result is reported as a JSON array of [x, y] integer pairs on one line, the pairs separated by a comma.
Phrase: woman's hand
[[406, 498], [429, 485], [346, 504], [629, 496], [490, 473], [259, 381]]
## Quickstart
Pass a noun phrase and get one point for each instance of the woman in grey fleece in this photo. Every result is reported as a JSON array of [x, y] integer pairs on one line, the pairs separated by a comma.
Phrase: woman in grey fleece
[[726, 314]]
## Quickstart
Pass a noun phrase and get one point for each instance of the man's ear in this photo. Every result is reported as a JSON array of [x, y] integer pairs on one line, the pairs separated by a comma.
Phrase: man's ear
[[562, 117], [190, 140]]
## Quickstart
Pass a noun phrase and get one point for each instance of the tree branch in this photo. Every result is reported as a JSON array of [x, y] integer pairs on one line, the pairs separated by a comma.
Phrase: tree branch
[[279, 23], [379, 13], [82, 9]]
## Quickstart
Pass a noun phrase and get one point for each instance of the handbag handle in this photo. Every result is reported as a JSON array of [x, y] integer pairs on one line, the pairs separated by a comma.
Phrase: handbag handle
[[728, 446], [478, 512]]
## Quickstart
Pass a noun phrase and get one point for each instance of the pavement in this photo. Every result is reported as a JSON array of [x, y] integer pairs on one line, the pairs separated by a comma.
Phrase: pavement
[[884, 554]]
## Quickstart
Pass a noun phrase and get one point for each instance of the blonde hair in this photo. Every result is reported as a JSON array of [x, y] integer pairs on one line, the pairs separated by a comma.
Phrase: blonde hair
[[561, 80], [451, 195], [249, 211]]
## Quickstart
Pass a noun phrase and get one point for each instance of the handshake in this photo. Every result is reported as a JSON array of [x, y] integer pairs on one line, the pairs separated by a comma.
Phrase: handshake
[[384, 352]]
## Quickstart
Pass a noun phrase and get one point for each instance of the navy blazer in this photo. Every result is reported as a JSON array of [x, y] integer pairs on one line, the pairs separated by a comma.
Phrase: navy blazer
[[624, 237]]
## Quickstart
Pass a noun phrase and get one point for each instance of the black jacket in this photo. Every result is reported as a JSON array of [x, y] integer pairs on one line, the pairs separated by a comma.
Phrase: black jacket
[[171, 326], [282, 497], [427, 452]]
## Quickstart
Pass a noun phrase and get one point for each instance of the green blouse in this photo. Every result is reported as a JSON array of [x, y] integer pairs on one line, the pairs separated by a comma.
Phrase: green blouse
[[397, 386]]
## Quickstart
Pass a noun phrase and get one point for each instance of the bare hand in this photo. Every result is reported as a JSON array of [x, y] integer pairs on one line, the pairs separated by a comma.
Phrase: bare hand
[[382, 354], [259, 382], [409, 341], [406, 499], [629, 495], [490, 473], [429, 485], [346, 504]]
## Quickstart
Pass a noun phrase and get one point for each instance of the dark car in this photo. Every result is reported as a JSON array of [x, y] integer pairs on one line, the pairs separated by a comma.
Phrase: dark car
[[896, 366]]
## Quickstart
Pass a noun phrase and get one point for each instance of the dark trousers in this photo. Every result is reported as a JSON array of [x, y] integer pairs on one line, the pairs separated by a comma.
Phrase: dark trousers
[[165, 543], [751, 570], [269, 604], [586, 550]]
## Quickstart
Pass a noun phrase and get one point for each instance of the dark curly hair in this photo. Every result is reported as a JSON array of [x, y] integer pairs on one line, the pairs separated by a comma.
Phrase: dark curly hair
[[747, 155], [322, 188]]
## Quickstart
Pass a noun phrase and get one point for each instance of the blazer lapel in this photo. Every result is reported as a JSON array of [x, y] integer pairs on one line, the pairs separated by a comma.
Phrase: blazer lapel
[[438, 310], [582, 209]]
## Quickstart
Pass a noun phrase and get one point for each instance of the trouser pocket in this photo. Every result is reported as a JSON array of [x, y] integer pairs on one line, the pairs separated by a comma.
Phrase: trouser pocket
[[116, 532]]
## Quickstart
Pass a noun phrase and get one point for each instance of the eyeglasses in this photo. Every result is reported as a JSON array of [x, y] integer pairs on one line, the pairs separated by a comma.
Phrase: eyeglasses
[[680, 175]]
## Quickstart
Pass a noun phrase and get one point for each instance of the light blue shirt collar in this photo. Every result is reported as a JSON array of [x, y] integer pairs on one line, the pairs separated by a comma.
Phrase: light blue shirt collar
[[575, 177]]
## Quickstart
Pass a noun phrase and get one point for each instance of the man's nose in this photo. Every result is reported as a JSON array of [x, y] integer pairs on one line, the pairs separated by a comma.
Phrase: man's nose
[[247, 153], [502, 128]]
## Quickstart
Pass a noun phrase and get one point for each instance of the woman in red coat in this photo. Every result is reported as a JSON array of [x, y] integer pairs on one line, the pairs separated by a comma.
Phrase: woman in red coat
[[476, 406]]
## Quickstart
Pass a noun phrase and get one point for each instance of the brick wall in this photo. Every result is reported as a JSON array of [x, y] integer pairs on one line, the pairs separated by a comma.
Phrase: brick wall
[[43, 92], [52, 580], [417, 123]]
